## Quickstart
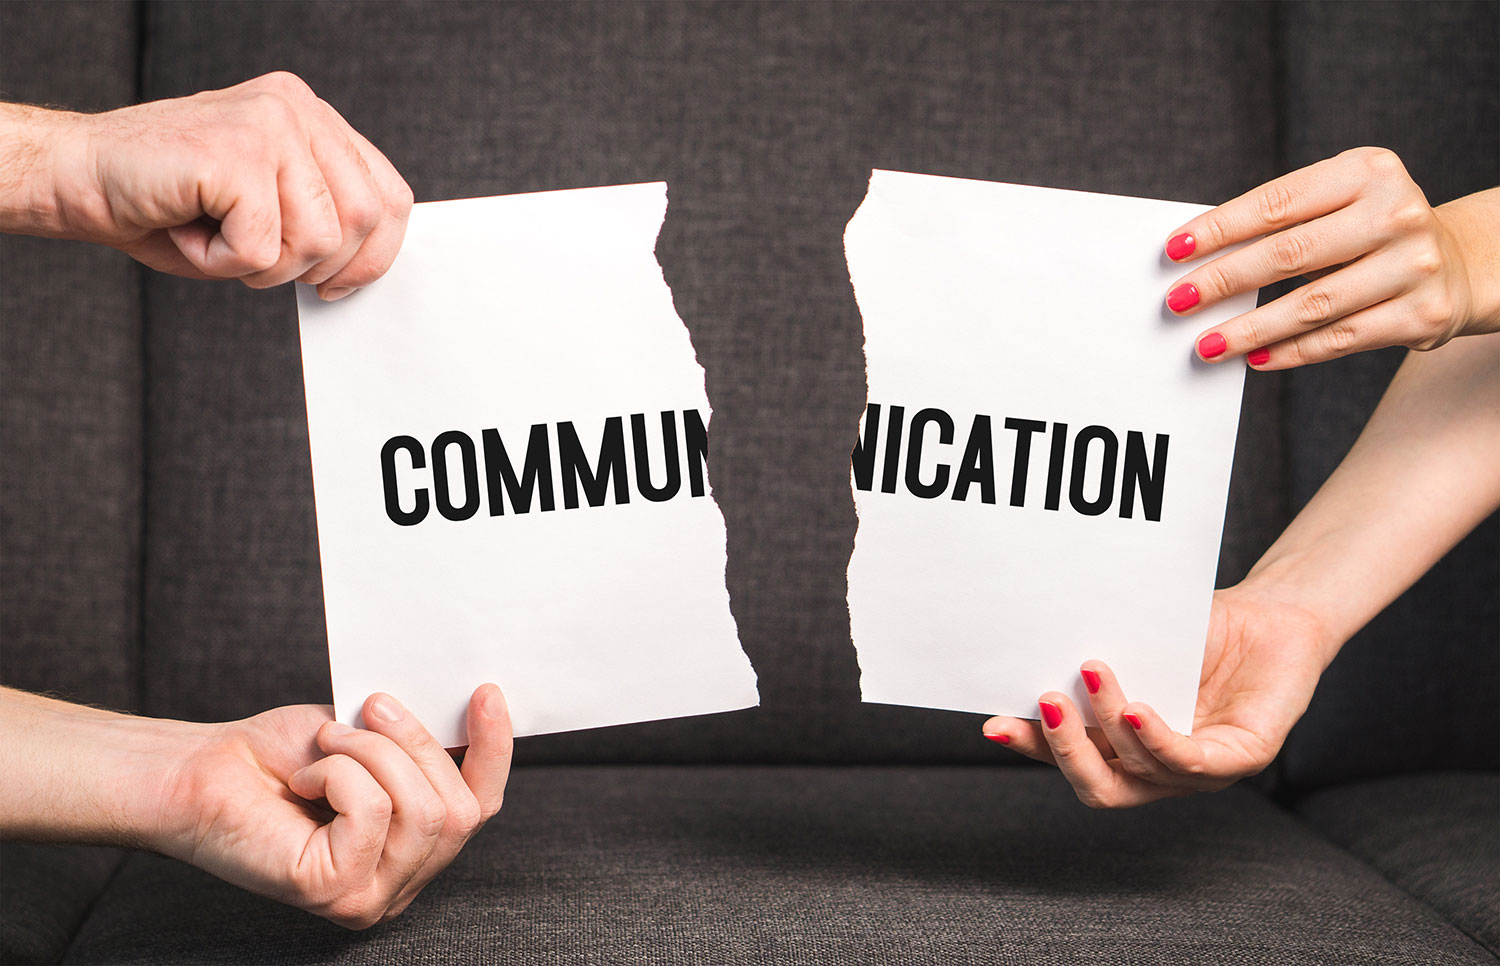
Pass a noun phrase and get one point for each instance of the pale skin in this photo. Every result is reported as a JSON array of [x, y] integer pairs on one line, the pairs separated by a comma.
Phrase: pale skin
[[265, 183], [1388, 270], [348, 823], [262, 182]]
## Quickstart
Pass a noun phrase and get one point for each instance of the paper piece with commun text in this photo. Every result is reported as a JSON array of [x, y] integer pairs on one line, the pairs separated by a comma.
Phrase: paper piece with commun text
[[509, 453], [1043, 464]]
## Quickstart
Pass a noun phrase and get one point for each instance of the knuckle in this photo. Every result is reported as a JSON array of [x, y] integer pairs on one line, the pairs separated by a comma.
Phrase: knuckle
[[274, 110], [432, 817], [317, 246], [1218, 279], [1294, 353], [1435, 312], [1216, 232], [1066, 752], [1092, 797], [402, 197], [288, 83], [1313, 307], [361, 213], [1136, 768], [467, 818], [381, 806], [1380, 162], [357, 274], [262, 261], [1276, 203], [1195, 768], [1342, 337], [1408, 218], [1291, 253], [355, 912], [1427, 260]]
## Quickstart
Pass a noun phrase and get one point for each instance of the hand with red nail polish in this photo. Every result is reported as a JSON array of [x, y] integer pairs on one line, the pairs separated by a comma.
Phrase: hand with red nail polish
[[1261, 663], [1386, 268]]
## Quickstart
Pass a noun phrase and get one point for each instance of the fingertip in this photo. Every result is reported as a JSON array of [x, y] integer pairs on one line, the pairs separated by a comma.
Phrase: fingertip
[[1139, 716], [997, 730], [490, 702], [333, 730], [1181, 245], [1211, 346], [1052, 706], [382, 708]]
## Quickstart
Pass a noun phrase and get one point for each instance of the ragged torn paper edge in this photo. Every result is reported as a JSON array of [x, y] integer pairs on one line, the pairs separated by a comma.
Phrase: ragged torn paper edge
[[414, 273], [1174, 701]]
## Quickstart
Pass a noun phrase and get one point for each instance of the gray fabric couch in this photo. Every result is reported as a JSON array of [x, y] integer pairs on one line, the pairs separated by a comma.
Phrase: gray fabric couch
[[160, 552]]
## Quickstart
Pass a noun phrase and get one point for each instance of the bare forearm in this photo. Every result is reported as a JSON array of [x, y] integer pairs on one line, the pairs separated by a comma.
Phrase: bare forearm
[[79, 774], [1425, 471], [31, 139]]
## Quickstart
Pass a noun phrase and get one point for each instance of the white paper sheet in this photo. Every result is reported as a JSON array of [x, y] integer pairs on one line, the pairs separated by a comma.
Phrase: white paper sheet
[[503, 314], [1021, 303]]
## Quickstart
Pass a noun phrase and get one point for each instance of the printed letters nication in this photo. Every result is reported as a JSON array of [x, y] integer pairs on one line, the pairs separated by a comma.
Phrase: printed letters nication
[[1092, 446]]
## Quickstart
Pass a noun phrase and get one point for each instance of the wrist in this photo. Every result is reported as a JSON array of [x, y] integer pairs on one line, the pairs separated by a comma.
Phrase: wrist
[[1288, 580], [1470, 222], [145, 769], [79, 774], [44, 187]]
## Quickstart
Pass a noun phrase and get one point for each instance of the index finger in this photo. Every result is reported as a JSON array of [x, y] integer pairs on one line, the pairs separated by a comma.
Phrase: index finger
[[1291, 199]]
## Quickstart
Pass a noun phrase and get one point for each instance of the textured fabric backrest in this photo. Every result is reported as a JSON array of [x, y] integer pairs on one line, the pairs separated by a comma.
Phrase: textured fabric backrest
[[70, 396], [70, 457], [1416, 689], [765, 119]]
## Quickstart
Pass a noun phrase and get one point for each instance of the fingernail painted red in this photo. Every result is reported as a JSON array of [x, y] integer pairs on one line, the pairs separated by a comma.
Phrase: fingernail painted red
[[1183, 297], [1051, 713], [1212, 345], [1259, 357], [1003, 739], [1091, 679], [1181, 246], [1134, 719]]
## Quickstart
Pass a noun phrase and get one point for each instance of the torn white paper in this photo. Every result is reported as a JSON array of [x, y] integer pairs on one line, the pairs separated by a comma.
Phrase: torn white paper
[[1043, 464], [508, 452]]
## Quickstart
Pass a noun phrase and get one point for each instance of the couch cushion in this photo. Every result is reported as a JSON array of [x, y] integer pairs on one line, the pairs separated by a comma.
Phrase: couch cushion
[[1420, 78], [46, 891], [830, 864], [1437, 836], [765, 119]]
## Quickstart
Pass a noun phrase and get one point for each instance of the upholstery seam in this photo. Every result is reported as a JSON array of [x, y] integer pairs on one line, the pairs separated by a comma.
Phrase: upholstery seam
[[88, 910]]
